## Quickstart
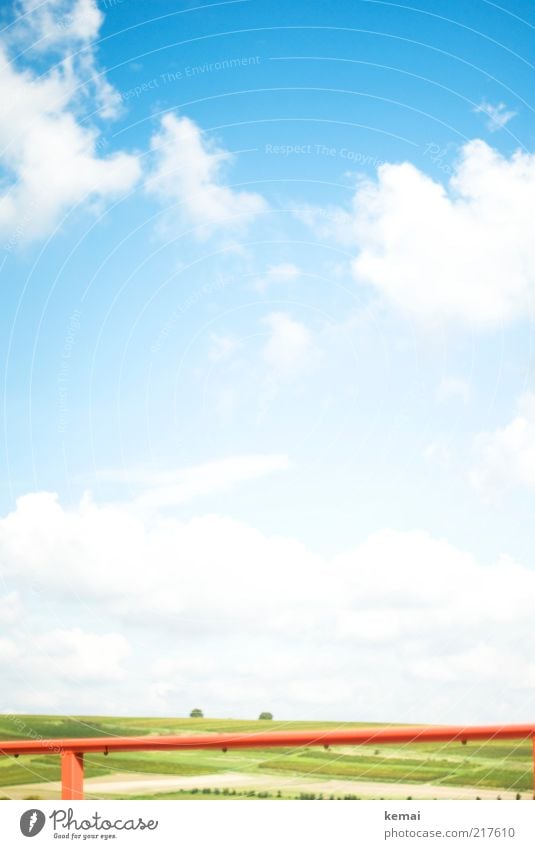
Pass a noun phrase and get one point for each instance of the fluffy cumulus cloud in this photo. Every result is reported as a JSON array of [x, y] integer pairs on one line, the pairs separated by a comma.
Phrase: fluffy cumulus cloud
[[506, 456], [461, 252], [49, 157], [76, 655], [395, 628], [188, 172], [45, 667], [56, 23], [69, 30]]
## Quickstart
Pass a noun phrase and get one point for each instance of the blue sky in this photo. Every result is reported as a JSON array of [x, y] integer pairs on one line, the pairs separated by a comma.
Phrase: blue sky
[[266, 343]]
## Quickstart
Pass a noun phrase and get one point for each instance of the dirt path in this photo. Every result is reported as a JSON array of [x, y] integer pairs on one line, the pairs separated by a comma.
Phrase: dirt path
[[137, 784]]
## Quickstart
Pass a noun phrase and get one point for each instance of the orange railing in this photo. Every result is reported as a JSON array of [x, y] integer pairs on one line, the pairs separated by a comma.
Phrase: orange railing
[[72, 750]]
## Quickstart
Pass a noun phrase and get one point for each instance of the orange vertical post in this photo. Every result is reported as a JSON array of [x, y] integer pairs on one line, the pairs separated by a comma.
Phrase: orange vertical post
[[72, 775]]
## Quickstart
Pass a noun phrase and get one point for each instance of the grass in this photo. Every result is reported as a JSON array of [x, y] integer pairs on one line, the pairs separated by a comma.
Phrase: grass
[[492, 765]]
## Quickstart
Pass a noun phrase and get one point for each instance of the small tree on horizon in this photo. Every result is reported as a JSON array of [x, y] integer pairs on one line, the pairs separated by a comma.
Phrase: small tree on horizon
[[196, 713], [265, 715]]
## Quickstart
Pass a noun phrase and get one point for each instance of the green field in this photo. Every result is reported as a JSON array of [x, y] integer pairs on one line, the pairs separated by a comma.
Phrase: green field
[[491, 769]]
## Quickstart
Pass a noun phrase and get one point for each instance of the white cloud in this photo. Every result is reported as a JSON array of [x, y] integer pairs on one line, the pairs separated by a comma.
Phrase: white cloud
[[498, 115], [76, 655], [485, 662], [187, 170], [289, 347], [288, 354], [50, 160], [282, 272], [8, 651], [235, 617], [222, 347], [139, 563], [180, 486], [68, 30], [329, 223], [506, 456], [172, 489], [60, 23], [53, 669], [453, 389], [464, 252], [439, 453], [10, 609]]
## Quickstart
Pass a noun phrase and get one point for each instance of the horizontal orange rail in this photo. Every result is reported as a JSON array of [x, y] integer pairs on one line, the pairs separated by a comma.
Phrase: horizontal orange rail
[[72, 750]]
